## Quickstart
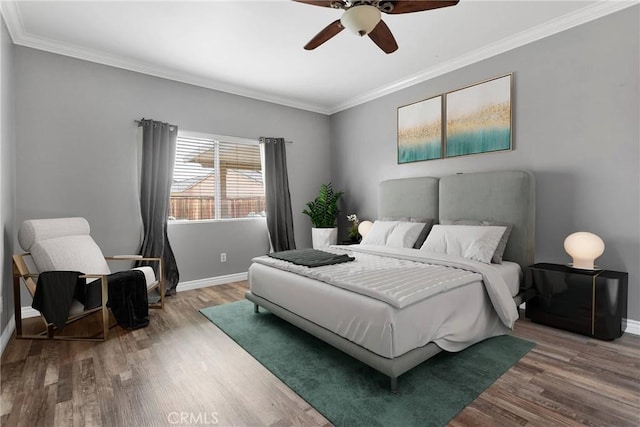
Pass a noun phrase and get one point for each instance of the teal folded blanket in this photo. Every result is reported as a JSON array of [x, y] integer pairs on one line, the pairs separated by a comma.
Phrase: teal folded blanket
[[311, 257]]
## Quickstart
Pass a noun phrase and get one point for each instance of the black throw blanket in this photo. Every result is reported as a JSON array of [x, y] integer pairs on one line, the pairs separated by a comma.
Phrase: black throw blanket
[[54, 295], [128, 298], [128, 301], [311, 257]]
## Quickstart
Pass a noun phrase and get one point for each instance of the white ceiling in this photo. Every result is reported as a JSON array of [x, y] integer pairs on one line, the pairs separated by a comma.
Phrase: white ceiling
[[254, 48]]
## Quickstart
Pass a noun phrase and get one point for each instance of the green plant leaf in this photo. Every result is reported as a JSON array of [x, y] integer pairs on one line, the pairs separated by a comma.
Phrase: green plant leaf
[[323, 211]]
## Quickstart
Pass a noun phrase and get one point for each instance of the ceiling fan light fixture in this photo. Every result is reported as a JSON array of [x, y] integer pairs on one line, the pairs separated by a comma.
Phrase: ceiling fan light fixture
[[361, 20]]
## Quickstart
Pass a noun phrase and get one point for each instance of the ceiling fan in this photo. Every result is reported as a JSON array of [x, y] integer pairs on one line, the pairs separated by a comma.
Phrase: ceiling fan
[[363, 17]]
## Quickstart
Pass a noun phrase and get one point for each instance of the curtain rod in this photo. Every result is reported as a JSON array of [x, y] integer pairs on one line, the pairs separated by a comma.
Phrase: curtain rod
[[141, 122], [264, 140], [261, 140]]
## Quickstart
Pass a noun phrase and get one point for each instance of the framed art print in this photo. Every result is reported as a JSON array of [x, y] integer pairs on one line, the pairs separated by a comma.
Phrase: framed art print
[[420, 131], [478, 118]]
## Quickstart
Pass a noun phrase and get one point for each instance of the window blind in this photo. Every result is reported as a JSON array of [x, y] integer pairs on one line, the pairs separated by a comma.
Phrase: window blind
[[216, 179]]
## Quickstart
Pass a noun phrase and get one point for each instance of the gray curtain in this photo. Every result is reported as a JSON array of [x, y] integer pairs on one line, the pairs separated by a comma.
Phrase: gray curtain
[[279, 216], [158, 158]]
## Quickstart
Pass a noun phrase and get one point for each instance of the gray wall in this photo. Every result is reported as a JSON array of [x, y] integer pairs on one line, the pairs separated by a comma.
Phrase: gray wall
[[575, 126], [7, 169], [77, 143]]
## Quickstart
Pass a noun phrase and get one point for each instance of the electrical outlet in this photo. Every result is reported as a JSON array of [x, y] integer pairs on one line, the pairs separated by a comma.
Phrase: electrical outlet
[[223, 257]]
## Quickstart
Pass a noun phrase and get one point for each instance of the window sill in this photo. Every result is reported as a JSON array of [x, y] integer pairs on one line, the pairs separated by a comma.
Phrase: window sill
[[205, 221]]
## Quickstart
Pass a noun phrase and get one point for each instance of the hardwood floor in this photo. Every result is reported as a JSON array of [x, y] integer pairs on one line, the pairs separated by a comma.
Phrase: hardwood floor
[[182, 370]]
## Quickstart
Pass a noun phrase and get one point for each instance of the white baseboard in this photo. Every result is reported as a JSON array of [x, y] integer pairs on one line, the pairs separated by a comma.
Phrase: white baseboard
[[633, 327], [28, 312], [211, 281], [7, 333]]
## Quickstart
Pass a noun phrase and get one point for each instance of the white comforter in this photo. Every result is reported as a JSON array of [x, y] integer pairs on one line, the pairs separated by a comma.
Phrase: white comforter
[[402, 277]]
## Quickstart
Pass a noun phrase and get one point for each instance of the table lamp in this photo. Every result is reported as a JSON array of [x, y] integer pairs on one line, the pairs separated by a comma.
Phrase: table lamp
[[364, 227], [584, 248]]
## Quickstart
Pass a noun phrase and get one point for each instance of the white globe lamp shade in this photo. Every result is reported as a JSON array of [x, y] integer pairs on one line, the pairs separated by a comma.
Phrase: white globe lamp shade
[[584, 248], [364, 227], [360, 20]]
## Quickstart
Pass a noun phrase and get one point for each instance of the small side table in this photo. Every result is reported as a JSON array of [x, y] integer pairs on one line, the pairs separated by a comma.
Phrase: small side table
[[589, 302], [348, 242]]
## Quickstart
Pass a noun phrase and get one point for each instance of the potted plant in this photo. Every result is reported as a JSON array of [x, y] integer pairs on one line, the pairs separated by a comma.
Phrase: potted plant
[[323, 212], [354, 235]]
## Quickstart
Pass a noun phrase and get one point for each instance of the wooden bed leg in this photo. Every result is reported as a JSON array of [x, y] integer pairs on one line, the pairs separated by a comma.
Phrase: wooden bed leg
[[393, 383], [256, 308]]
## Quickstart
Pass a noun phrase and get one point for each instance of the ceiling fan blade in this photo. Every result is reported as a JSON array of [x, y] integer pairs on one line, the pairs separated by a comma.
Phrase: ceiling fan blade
[[408, 6], [324, 3], [327, 32], [381, 35]]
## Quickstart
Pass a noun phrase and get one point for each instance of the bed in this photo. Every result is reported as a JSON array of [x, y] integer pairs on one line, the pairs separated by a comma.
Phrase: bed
[[394, 328]]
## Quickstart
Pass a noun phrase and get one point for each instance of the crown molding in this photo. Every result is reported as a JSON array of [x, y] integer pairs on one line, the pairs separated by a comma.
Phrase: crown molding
[[563, 23], [12, 18], [19, 36], [15, 26], [91, 55]]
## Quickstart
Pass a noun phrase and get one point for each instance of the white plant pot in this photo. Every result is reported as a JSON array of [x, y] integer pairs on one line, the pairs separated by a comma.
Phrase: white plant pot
[[322, 237]]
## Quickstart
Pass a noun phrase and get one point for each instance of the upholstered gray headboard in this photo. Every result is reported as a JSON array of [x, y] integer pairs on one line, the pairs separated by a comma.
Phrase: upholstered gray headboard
[[502, 196], [411, 197]]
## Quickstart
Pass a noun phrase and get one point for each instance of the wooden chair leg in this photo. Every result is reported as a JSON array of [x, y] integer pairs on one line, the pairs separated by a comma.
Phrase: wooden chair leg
[[162, 290], [105, 310], [17, 304], [21, 275]]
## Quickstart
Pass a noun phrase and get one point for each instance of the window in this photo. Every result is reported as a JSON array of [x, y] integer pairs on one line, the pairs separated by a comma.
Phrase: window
[[217, 177]]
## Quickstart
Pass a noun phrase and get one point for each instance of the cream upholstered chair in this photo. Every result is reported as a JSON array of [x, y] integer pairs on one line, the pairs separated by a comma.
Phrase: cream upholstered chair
[[64, 244]]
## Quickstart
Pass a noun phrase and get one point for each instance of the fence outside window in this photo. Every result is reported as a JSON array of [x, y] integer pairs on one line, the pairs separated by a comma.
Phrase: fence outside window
[[217, 178]]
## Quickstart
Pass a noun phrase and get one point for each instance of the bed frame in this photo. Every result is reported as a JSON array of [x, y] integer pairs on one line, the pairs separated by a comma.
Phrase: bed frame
[[503, 196]]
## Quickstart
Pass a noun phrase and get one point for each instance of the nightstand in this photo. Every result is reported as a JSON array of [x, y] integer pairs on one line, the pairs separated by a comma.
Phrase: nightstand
[[348, 242], [589, 302]]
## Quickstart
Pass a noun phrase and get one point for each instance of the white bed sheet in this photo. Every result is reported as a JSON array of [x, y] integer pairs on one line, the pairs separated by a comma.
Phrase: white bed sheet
[[453, 320], [512, 275]]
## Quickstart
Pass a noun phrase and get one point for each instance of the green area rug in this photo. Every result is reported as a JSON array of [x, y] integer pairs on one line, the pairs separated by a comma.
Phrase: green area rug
[[348, 392]]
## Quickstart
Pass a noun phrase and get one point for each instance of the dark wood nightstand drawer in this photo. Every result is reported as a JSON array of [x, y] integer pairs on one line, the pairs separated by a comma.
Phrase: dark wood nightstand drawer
[[592, 303]]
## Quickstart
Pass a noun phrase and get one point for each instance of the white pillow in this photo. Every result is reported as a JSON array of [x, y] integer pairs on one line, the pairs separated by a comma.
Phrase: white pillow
[[468, 241], [71, 253], [34, 230], [405, 234], [379, 233]]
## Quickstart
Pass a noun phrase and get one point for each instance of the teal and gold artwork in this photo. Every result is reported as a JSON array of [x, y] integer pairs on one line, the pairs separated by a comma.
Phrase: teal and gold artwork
[[420, 131], [478, 118]]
